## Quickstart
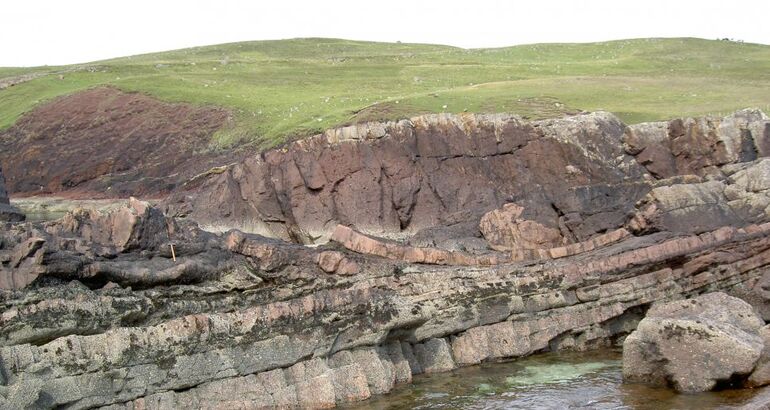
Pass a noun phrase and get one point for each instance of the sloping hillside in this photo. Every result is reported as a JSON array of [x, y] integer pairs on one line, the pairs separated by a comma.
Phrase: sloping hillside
[[277, 90]]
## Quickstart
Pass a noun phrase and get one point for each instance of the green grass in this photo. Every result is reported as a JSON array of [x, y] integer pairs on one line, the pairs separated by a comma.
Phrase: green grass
[[284, 89]]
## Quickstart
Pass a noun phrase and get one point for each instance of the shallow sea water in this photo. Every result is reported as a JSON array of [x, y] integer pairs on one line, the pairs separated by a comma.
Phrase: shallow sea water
[[568, 380]]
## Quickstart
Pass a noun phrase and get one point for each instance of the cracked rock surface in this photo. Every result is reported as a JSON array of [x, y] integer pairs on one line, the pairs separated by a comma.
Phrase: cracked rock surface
[[581, 241]]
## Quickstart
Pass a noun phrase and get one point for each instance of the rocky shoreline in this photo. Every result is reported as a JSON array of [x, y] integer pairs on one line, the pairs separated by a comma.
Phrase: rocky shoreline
[[139, 308]]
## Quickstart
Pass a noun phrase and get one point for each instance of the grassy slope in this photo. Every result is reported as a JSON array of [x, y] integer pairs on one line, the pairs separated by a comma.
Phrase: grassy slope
[[279, 89]]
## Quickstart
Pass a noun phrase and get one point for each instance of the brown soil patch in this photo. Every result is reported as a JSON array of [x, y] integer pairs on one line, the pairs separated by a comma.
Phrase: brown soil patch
[[107, 143]]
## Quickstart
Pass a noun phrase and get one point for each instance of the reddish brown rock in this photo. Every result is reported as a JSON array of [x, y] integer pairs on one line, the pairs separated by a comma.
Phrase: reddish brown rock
[[273, 339], [397, 178], [698, 145], [241, 320], [505, 230], [104, 142], [360, 243], [336, 262]]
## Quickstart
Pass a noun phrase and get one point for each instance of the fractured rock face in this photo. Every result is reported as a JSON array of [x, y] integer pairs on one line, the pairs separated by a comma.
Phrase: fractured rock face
[[130, 245], [694, 344], [504, 230], [336, 262], [395, 179], [97, 311], [296, 335], [8, 213], [699, 145], [743, 197]]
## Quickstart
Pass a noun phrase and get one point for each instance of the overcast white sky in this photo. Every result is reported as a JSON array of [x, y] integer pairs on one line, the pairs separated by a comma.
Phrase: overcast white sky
[[37, 32]]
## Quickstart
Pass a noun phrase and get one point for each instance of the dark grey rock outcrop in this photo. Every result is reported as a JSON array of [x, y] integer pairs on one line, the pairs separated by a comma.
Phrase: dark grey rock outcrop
[[8, 213]]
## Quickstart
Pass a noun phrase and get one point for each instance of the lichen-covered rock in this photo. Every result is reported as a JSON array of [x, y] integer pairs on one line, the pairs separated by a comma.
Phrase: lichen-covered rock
[[96, 311], [756, 291], [699, 145], [248, 337], [694, 344], [761, 374], [743, 197]]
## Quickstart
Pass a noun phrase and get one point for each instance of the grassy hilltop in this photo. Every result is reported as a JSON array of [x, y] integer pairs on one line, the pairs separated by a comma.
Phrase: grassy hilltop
[[282, 89]]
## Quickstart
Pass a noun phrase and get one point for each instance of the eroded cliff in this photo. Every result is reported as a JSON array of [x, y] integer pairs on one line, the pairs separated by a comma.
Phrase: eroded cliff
[[432, 178], [517, 238]]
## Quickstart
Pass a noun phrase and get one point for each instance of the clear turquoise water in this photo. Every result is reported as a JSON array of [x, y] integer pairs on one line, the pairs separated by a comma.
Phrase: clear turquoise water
[[570, 380]]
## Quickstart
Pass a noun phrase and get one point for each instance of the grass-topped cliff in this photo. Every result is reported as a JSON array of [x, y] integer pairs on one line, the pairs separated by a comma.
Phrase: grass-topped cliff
[[280, 89]]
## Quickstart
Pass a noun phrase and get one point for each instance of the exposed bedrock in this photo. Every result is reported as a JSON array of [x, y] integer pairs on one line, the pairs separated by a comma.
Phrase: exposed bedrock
[[432, 178], [699, 146], [269, 323], [8, 213], [741, 197], [394, 179], [454, 240]]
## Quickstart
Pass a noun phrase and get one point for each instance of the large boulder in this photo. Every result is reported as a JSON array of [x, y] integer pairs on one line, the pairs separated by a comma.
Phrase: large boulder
[[8, 213], [693, 345]]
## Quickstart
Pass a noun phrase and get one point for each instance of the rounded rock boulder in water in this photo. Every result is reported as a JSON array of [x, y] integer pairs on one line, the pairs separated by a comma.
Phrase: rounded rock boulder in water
[[692, 345]]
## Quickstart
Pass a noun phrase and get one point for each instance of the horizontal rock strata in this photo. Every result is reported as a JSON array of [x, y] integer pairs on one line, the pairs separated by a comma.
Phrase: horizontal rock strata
[[360, 243], [323, 339]]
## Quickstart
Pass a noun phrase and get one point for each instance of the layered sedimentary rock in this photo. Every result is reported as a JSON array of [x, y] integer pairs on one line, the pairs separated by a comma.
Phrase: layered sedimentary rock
[[8, 213], [742, 197], [273, 326], [100, 310]]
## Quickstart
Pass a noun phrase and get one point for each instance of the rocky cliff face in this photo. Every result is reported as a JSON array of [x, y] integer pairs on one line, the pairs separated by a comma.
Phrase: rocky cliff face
[[395, 179], [699, 146], [522, 237], [432, 178]]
